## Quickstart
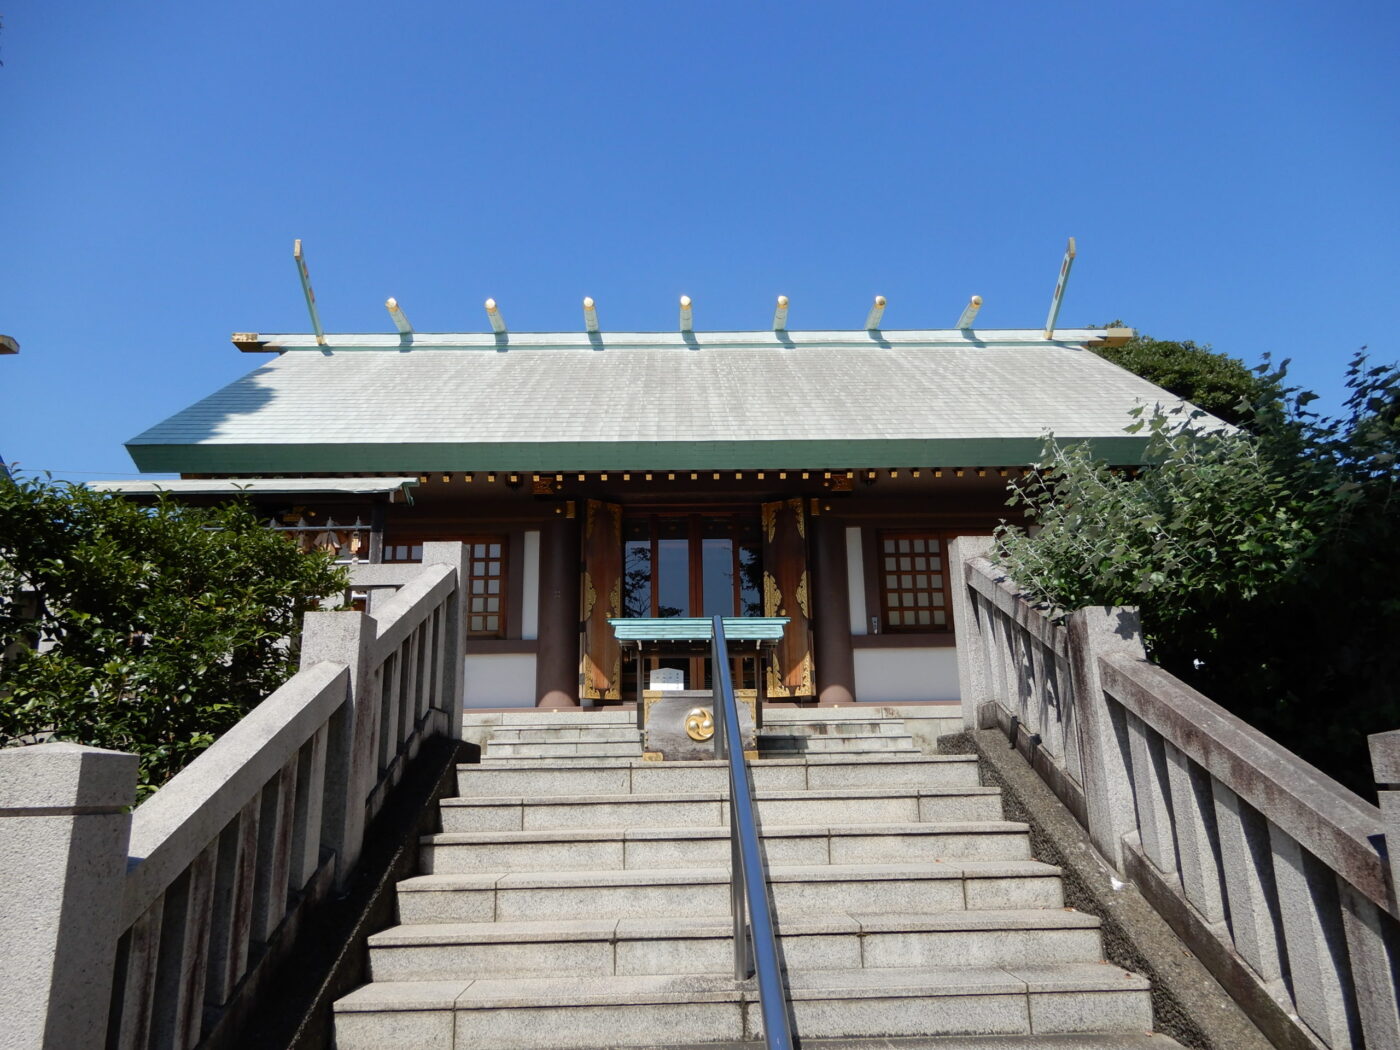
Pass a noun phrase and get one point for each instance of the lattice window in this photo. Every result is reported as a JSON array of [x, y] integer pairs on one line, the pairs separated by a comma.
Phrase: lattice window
[[486, 587], [402, 552], [913, 592]]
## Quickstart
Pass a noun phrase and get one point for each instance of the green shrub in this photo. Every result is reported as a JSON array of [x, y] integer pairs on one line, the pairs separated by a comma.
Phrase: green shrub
[[157, 628], [1222, 385], [1264, 562]]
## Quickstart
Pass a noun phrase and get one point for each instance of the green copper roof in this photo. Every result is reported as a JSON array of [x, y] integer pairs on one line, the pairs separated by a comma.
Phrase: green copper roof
[[704, 400]]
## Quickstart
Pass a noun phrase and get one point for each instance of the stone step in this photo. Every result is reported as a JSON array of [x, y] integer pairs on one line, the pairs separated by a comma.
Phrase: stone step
[[608, 1011], [798, 891], [1077, 1041], [563, 748], [682, 945], [792, 774], [563, 762], [838, 727], [849, 713], [768, 743], [534, 717], [617, 849], [889, 805], [558, 734]]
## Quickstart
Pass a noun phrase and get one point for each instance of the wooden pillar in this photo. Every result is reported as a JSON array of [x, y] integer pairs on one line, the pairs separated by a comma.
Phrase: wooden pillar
[[836, 668], [556, 665]]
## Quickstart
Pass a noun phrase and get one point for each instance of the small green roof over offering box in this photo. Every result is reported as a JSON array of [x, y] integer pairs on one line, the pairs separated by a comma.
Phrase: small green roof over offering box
[[670, 400]]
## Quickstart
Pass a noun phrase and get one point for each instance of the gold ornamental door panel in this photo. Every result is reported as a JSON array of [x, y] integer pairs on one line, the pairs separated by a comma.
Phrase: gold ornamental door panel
[[787, 592]]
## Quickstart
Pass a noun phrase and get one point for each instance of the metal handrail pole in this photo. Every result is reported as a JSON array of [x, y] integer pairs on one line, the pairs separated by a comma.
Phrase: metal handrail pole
[[749, 867], [738, 907], [641, 691]]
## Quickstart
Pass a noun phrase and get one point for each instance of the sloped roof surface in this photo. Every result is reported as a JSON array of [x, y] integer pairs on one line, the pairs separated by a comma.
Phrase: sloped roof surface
[[645, 400]]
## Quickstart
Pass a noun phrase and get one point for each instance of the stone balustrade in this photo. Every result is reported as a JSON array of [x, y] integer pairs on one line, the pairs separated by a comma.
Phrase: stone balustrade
[[155, 927], [1275, 875]]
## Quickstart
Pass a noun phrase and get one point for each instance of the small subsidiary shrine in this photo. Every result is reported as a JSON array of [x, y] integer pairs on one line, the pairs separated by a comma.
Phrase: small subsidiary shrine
[[817, 476]]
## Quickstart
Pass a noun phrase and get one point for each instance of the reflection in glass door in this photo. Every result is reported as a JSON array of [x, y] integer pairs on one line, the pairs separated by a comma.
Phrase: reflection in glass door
[[691, 564]]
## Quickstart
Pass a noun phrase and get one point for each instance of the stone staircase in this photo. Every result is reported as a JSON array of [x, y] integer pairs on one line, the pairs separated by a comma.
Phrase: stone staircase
[[613, 739], [578, 896], [794, 731], [618, 743]]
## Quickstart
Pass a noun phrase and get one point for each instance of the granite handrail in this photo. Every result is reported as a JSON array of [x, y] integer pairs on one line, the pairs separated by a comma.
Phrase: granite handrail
[[1275, 875], [224, 863], [169, 831], [1028, 664]]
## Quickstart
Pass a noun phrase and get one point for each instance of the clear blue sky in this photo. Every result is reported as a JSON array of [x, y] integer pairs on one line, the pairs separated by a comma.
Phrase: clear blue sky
[[1231, 172]]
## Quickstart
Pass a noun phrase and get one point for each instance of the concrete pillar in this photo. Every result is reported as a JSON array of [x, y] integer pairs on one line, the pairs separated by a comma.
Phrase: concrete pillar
[[556, 660], [1314, 939], [973, 684], [1247, 864], [836, 666], [454, 655], [1108, 786], [351, 761], [1385, 768], [1193, 812], [64, 830]]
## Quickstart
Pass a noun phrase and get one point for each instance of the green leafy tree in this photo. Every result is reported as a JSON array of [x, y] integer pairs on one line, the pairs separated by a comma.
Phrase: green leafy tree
[[143, 629], [1263, 560], [1222, 385]]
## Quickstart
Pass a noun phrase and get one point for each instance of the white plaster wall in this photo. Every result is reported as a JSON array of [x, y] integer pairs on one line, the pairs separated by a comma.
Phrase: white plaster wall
[[500, 680], [896, 675], [855, 580], [530, 587]]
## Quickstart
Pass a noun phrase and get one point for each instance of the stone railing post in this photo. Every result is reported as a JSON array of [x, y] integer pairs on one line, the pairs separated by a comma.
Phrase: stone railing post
[[65, 824], [973, 685], [351, 762], [1385, 766], [454, 656], [1108, 788]]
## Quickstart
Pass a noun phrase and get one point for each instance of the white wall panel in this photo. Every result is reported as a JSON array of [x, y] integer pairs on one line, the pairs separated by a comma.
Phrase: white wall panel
[[896, 675], [500, 680]]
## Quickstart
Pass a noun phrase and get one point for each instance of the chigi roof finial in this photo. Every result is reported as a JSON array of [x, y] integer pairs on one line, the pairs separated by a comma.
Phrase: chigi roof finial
[[305, 276]]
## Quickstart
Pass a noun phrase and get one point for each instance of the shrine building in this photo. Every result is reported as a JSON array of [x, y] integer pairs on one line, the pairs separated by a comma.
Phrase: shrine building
[[814, 475]]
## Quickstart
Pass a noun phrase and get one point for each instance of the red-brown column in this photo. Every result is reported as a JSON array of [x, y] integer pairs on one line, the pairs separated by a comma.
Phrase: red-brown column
[[836, 667], [556, 666]]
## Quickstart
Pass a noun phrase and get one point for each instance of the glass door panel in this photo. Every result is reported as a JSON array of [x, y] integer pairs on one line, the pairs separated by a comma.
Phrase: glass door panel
[[748, 565], [691, 564], [636, 567], [717, 573]]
